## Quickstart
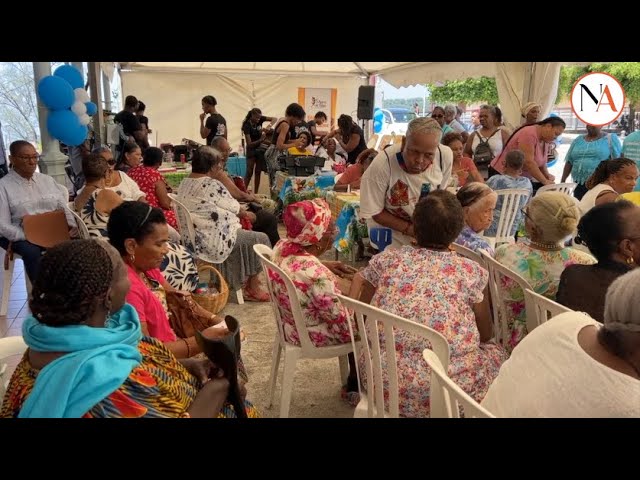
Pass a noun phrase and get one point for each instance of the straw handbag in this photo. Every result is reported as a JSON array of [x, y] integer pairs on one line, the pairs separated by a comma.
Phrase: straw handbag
[[213, 302]]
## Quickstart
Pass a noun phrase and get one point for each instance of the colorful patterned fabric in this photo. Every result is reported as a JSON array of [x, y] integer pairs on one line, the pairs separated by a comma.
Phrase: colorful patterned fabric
[[470, 239], [542, 269], [146, 178], [159, 387], [436, 289], [306, 222], [316, 287], [179, 268]]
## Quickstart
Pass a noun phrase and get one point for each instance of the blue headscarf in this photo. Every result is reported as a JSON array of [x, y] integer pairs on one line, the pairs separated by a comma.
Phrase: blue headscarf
[[98, 362]]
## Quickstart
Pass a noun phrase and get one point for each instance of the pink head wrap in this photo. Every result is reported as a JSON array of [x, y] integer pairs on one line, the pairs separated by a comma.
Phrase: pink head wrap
[[307, 221]]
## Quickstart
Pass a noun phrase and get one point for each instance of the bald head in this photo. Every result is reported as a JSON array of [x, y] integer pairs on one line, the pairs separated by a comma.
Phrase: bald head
[[222, 145]]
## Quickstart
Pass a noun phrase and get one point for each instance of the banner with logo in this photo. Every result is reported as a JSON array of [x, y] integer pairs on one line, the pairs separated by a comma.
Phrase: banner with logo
[[315, 100]]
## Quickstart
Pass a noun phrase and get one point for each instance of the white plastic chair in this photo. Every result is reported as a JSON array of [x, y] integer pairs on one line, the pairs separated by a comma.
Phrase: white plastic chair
[[293, 353], [447, 397], [567, 188], [9, 346], [511, 204], [6, 284], [500, 317], [82, 227], [188, 232], [372, 403], [540, 309], [470, 254]]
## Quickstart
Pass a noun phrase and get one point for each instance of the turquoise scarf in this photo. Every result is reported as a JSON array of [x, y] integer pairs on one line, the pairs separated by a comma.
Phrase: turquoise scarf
[[98, 362]]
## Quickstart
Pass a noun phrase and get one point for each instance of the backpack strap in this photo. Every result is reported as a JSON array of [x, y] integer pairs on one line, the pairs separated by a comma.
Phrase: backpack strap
[[486, 140]]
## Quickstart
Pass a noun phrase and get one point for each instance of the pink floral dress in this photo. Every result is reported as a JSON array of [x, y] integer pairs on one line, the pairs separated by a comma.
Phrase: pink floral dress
[[542, 269], [436, 289], [326, 318]]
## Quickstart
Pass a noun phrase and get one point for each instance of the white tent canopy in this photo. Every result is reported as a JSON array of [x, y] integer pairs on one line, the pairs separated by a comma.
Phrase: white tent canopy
[[172, 90]]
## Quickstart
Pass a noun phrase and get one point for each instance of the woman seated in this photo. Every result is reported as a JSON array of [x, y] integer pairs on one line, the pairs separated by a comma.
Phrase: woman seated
[[95, 202], [463, 167], [310, 233], [352, 176], [153, 184], [571, 366], [550, 218], [118, 181], [431, 285], [610, 179], [478, 202], [303, 148], [131, 157], [216, 215], [611, 232], [334, 159], [87, 356]]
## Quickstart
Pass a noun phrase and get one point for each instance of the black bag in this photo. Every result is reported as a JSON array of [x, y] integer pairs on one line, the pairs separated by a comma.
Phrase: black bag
[[483, 154], [301, 165]]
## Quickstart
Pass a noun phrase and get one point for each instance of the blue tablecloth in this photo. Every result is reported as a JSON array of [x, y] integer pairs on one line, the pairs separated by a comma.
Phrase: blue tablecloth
[[237, 166]]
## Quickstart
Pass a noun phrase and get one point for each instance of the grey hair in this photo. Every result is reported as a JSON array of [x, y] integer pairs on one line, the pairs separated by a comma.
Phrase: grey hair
[[471, 194], [622, 303], [491, 109], [216, 141], [555, 214], [450, 110], [424, 125], [100, 149]]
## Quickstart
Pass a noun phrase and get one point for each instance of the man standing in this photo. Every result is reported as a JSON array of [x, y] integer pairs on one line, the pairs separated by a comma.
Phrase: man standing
[[401, 175], [215, 125]]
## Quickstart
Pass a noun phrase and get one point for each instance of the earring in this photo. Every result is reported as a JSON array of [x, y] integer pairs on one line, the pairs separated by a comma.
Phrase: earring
[[132, 258], [630, 261]]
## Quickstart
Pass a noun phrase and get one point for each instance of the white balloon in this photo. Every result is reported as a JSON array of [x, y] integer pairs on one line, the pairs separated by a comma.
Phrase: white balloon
[[79, 108], [81, 95], [84, 119]]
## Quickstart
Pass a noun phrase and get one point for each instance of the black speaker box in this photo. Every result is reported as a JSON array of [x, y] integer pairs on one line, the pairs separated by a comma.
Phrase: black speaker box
[[365, 102]]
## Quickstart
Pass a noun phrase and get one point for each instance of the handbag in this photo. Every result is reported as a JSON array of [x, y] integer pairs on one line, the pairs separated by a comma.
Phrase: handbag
[[224, 352], [46, 229], [186, 316]]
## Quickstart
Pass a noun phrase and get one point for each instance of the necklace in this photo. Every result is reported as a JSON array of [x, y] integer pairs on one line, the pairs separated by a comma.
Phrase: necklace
[[546, 246], [109, 179]]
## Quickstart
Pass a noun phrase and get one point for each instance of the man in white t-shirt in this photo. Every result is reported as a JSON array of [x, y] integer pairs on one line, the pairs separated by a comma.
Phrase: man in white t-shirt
[[400, 175]]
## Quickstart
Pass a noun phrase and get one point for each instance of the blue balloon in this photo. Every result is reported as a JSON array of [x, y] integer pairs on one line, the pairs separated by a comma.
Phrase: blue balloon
[[377, 126], [71, 74], [55, 93], [92, 108], [65, 126], [378, 115]]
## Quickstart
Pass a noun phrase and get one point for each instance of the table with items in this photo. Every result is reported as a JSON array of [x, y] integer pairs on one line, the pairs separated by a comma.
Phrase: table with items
[[174, 174]]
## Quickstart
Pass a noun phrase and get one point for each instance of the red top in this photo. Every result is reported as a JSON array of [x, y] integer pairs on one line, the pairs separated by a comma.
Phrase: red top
[[146, 178]]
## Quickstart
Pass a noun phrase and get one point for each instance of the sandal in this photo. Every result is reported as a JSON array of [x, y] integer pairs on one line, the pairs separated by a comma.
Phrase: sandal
[[251, 296], [350, 393]]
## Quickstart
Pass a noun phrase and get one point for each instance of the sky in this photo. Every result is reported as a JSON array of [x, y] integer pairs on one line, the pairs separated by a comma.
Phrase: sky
[[389, 91]]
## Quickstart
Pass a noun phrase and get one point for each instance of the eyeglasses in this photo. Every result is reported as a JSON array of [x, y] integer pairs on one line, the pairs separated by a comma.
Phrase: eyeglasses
[[111, 162], [437, 116], [26, 158], [525, 212]]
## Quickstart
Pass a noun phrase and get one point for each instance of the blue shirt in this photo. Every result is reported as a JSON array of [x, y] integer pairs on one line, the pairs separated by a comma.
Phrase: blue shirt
[[470, 239], [631, 150], [585, 156], [503, 182]]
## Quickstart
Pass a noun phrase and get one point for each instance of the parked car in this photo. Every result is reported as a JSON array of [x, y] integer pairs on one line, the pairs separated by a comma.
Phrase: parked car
[[396, 120]]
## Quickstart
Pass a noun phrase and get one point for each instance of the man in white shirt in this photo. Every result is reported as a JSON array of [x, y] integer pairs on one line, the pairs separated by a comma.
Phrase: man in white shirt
[[23, 191], [402, 174]]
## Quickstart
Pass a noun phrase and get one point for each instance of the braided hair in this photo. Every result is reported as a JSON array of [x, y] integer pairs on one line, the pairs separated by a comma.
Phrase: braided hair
[[74, 279], [607, 168]]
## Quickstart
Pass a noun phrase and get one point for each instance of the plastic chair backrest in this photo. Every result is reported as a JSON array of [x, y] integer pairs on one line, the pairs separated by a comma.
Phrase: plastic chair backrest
[[567, 188], [470, 254], [9, 346], [511, 201], [82, 227], [185, 222], [266, 256], [381, 237], [372, 141], [452, 396], [500, 316], [384, 141], [540, 309], [373, 323]]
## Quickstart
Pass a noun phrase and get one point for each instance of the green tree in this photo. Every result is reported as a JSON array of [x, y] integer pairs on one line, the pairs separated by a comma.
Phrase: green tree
[[471, 90]]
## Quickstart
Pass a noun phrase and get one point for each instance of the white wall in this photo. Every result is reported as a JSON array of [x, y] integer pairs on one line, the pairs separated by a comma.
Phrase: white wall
[[173, 99]]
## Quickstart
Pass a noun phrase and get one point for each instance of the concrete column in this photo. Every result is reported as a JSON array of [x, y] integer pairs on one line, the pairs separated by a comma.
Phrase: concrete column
[[106, 91], [53, 160], [95, 74]]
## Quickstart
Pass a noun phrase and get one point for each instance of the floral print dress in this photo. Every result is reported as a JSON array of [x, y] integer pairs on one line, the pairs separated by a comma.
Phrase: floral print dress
[[326, 318], [542, 269], [146, 178], [473, 241], [436, 289]]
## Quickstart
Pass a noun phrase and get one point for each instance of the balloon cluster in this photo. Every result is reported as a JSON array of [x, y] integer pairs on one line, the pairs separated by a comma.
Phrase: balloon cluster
[[378, 120], [68, 102]]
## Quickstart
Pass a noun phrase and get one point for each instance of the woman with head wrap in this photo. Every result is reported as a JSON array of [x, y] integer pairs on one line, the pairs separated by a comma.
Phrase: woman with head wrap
[[530, 112], [550, 218], [571, 366], [310, 233]]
